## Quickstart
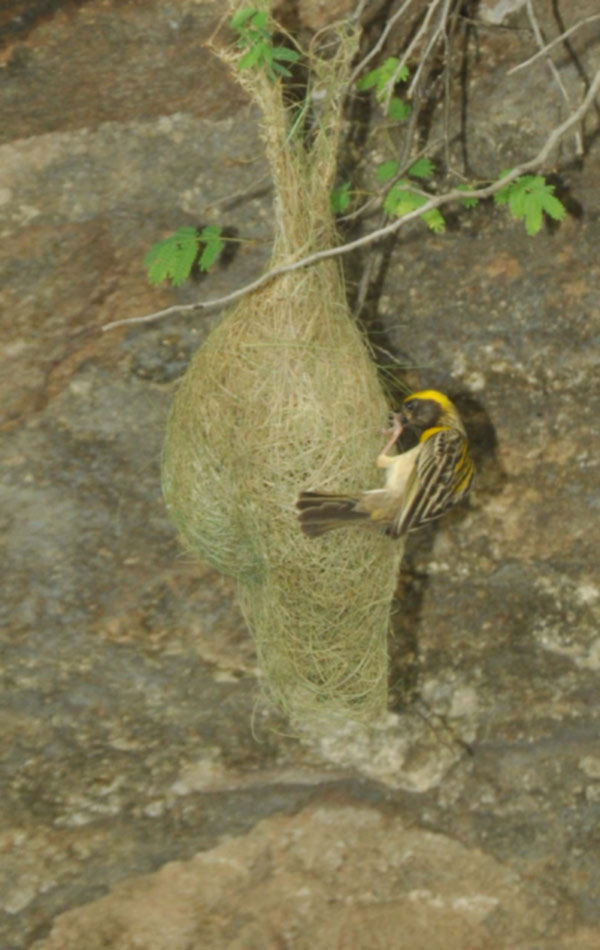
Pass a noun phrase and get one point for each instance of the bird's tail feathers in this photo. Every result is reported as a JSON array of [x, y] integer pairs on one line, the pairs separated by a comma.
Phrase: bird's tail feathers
[[320, 512]]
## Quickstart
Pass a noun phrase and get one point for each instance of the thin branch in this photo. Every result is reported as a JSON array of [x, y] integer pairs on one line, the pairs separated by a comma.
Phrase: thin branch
[[447, 77], [363, 285], [552, 43], [439, 30], [380, 42], [358, 11], [391, 228], [497, 27], [448, 55], [242, 193], [415, 40], [555, 73]]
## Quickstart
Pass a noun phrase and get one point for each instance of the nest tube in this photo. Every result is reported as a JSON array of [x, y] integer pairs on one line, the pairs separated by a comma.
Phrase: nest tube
[[283, 396]]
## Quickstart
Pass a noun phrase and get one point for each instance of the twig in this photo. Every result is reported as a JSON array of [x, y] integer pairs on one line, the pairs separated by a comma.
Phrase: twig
[[380, 42], [363, 285], [440, 29], [226, 199], [415, 40], [358, 11], [555, 73], [377, 235], [498, 27], [448, 52], [554, 42]]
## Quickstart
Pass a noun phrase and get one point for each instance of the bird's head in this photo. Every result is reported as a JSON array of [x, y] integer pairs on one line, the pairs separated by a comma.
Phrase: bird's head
[[428, 409]]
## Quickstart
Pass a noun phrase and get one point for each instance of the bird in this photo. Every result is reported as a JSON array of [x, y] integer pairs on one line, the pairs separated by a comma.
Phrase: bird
[[421, 483]]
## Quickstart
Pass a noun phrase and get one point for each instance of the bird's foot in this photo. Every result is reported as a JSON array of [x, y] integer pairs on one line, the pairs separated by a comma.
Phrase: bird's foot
[[394, 432]]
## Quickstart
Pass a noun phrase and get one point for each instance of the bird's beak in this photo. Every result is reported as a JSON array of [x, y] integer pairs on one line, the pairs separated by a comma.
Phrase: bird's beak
[[405, 421]]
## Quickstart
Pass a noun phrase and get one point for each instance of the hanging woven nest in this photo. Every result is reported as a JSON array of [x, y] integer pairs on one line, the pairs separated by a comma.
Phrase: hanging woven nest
[[283, 396]]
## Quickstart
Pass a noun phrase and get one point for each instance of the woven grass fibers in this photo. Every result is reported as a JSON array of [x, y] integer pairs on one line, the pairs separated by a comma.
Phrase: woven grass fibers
[[283, 396]]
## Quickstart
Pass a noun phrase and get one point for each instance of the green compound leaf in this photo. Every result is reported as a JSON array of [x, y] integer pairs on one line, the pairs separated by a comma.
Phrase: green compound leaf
[[173, 258], [399, 110], [340, 198], [528, 197], [387, 170], [434, 221], [380, 77], [422, 168], [239, 19], [369, 80], [259, 22], [400, 200]]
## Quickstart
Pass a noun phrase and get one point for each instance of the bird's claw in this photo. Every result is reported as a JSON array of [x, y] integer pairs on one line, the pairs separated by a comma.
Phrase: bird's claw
[[394, 432]]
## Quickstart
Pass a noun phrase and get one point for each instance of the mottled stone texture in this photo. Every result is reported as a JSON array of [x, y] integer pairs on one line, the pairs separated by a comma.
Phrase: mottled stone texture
[[135, 767]]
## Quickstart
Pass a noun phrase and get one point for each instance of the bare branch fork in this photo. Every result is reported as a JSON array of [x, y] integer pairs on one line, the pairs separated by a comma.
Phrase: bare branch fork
[[557, 39], [434, 202]]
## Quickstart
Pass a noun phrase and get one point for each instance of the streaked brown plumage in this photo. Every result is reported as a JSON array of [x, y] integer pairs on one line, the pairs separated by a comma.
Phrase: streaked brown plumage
[[421, 484]]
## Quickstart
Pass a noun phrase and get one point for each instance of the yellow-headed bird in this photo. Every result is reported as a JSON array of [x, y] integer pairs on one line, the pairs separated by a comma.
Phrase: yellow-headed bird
[[421, 484]]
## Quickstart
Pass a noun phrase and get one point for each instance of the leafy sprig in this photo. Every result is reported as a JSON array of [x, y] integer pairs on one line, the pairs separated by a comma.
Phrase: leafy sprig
[[255, 37], [173, 258], [402, 197], [380, 79], [529, 198]]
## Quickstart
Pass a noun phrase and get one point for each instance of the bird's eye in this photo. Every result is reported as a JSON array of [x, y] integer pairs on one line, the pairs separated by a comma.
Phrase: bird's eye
[[410, 404]]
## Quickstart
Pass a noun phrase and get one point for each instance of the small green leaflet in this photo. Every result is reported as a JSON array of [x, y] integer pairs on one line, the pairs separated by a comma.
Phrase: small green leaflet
[[400, 200], [434, 221], [467, 202], [172, 258], [239, 19], [251, 24], [527, 198], [340, 198], [387, 170], [255, 54], [213, 245], [289, 55], [399, 110], [422, 168], [381, 76]]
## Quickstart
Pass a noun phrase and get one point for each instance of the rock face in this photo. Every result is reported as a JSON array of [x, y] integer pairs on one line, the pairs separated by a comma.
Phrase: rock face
[[295, 882], [138, 777]]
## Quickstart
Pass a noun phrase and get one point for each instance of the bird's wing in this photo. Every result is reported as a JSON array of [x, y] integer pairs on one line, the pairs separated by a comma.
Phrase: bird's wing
[[431, 486]]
